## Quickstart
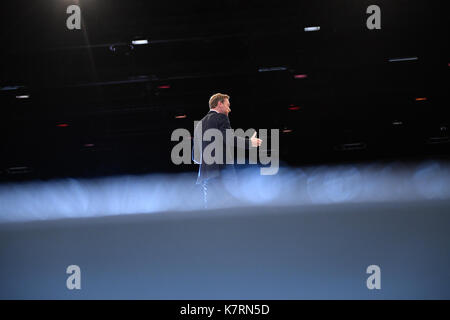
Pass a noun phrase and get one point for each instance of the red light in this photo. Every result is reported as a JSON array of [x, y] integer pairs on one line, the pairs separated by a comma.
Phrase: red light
[[287, 130], [300, 76], [181, 116], [89, 145], [62, 125], [421, 99], [164, 87], [294, 108]]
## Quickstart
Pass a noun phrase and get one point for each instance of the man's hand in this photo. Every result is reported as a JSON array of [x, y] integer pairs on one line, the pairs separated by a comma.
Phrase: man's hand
[[255, 141]]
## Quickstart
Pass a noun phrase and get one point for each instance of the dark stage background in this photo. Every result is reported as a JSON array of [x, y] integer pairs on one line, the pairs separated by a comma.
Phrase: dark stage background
[[98, 106], [88, 104]]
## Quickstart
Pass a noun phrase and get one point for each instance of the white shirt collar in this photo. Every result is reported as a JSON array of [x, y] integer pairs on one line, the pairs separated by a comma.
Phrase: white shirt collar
[[214, 110]]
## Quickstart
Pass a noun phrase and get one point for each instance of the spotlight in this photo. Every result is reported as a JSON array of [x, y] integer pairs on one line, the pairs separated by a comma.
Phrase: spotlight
[[403, 59], [438, 140], [8, 88], [138, 42], [24, 96], [300, 76], [312, 28], [121, 48], [272, 69], [18, 170]]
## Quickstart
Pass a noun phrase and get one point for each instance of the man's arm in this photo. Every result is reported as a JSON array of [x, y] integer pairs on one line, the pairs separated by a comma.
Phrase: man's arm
[[224, 124]]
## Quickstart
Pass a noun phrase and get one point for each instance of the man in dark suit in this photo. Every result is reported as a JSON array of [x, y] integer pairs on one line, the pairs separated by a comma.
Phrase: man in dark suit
[[213, 175]]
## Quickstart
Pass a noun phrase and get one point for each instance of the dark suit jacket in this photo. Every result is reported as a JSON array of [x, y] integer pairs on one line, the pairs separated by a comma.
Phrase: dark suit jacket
[[221, 122]]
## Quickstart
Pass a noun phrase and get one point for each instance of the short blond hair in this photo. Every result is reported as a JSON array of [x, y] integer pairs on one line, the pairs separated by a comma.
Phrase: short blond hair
[[216, 98]]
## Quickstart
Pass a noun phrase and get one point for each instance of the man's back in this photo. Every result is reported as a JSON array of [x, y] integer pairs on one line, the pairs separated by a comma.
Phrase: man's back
[[212, 120]]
